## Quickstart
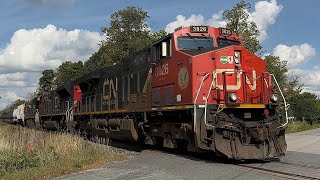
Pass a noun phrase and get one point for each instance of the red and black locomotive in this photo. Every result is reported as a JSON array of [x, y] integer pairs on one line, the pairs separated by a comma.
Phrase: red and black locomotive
[[197, 88]]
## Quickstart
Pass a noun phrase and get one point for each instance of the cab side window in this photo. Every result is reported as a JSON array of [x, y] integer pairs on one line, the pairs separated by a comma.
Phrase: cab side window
[[162, 50]]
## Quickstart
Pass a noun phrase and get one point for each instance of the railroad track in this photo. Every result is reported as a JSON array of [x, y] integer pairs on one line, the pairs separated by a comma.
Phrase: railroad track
[[287, 170]]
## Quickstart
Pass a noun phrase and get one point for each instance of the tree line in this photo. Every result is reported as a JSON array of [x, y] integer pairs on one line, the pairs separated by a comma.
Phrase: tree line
[[128, 31]]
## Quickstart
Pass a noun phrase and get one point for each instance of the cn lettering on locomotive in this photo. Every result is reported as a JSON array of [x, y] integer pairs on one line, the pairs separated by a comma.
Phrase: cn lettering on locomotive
[[252, 84], [198, 89], [109, 89]]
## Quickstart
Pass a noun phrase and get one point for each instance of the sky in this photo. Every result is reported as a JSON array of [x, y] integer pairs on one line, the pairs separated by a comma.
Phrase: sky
[[41, 34]]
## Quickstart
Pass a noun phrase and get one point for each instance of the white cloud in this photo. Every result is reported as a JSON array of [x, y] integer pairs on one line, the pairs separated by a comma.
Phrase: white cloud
[[31, 51], [8, 97], [295, 54], [38, 49], [310, 79], [11, 94], [181, 20], [19, 79], [264, 15]]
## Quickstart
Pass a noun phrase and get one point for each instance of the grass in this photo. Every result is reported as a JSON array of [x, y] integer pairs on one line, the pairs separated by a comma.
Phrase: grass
[[31, 154], [298, 126]]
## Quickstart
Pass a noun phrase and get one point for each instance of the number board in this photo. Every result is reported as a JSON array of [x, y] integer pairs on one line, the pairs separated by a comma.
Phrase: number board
[[225, 31], [199, 29]]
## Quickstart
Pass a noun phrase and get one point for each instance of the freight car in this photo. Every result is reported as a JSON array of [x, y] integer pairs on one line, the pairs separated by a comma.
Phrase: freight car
[[18, 114], [198, 89]]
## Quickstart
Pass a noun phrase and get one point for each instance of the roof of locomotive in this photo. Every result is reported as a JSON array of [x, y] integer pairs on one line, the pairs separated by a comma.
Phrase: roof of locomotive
[[95, 74], [215, 32], [87, 77], [66, 89]]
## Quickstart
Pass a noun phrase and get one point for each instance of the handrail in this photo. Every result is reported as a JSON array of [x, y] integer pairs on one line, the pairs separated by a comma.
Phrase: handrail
[[206, 102], [214, 76], [204, 77], [286, 106], [71, 114], [195, 100], [67, 111]]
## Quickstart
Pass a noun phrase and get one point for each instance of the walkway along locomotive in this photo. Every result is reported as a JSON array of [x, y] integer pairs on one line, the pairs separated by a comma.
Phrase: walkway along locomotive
[[197, 88]]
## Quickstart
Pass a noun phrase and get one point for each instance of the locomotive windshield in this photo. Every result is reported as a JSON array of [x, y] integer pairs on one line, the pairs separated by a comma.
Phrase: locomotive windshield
[[226, 42], [194, 42]]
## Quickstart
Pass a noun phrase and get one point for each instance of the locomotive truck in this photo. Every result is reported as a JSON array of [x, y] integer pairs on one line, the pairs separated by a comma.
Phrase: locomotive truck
[[197, 88]]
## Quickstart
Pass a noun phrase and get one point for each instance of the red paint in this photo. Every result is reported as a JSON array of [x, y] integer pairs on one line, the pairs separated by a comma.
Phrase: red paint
[[77, 95]]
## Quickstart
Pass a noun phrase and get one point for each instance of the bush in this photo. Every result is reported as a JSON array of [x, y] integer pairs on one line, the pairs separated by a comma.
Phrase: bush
[[297, 126]]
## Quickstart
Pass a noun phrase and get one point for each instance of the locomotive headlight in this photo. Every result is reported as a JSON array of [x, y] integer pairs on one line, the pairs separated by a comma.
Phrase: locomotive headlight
[[237, 54], [274, 98], [233, 97], [237, 57]]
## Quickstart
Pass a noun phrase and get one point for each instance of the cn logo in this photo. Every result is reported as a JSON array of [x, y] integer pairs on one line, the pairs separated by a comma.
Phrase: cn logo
[[109, 89], [252, 85]]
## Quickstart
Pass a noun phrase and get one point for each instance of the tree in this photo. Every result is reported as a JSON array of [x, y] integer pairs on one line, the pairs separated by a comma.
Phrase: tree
[[292, 88], [97, 60], [157, 35], [45, 81], [238, 21], [288, 84], [305, 106], [128, 32], [68, 71], [278, 68]]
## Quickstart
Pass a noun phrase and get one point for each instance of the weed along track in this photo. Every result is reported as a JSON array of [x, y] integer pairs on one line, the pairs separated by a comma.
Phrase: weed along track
[[294, 171], [32, 154]]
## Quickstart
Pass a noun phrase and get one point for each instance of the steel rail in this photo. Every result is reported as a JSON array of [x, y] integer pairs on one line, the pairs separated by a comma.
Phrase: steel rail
[[280, 172]]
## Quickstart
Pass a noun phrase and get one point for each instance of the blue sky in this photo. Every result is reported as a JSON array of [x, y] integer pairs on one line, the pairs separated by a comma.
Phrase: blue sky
[[294, 25], [73, 27]]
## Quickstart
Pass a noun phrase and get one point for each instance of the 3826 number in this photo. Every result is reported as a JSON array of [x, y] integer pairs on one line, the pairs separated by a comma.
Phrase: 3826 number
[[162, 70], [199, 29]]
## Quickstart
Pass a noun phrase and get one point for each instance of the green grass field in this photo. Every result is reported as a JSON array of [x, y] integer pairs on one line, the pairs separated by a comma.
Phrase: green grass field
[[30, 154]]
